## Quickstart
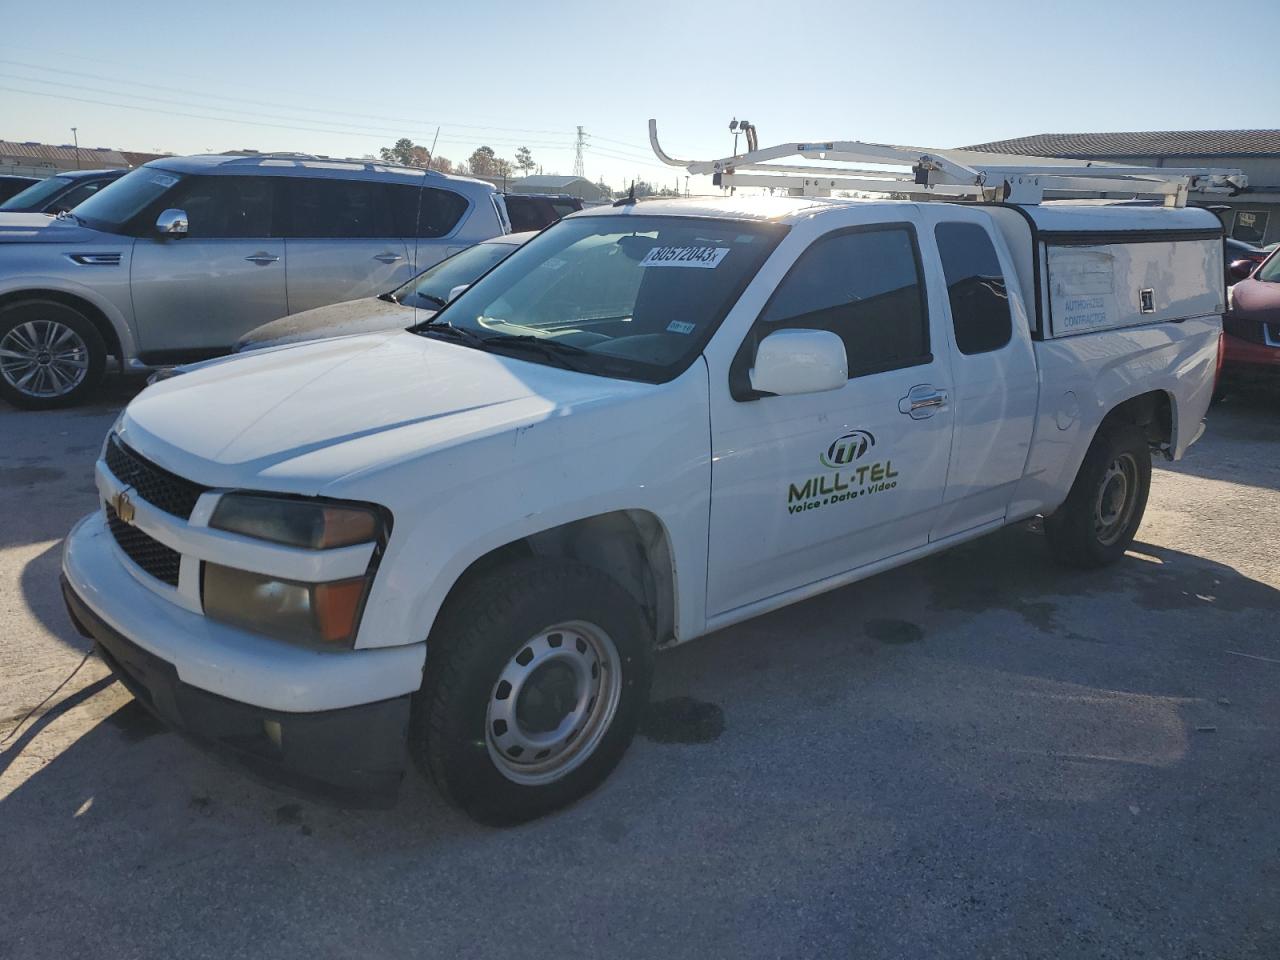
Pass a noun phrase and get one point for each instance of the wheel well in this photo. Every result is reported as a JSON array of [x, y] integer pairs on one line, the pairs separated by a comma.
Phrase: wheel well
[[1152, 412], [94, 315], [629, 546]]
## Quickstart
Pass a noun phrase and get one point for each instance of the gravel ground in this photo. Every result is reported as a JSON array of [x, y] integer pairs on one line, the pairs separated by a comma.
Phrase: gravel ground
[[978, 755]]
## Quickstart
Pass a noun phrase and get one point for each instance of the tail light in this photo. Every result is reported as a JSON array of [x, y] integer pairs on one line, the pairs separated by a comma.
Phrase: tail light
[[1222, 349]]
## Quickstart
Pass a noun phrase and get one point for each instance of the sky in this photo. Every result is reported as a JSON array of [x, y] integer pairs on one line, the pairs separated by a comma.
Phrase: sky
[[344, 79]]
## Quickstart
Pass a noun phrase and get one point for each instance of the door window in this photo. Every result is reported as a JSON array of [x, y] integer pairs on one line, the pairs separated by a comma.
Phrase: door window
[[865, 287], [975, 287], [225, 207]]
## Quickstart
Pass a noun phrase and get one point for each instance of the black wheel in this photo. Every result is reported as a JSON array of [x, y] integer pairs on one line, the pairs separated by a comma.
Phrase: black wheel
[[535, 682], [1104, 509], [51, 355]]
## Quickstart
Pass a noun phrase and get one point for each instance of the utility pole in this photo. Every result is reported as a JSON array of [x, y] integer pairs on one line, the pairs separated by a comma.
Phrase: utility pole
[[76, 137], [579, 170]]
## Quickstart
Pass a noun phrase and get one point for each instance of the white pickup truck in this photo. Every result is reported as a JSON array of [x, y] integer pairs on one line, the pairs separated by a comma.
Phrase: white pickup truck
[[463, 543]]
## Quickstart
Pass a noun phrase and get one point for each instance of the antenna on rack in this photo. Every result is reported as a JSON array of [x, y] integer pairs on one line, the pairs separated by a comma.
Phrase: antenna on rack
[[924, 173]]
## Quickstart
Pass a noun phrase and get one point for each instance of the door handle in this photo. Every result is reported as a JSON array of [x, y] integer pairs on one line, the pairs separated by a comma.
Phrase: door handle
[[388, 257], [262, 259], [922, 400]]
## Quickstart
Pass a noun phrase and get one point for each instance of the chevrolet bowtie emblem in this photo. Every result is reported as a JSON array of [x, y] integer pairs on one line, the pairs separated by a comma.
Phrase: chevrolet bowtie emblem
[[123, 506]]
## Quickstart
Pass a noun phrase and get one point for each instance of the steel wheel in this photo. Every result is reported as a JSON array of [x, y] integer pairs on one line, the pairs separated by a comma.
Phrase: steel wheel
[[1117, 498], [43, 358], [553, 702]]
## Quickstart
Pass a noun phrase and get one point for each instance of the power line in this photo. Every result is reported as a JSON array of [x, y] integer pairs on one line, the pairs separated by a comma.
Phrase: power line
[[347, 127], [253, 123], [266, 103]]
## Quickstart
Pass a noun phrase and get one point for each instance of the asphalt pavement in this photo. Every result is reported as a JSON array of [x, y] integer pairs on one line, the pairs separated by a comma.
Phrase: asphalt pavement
[[977, 755]]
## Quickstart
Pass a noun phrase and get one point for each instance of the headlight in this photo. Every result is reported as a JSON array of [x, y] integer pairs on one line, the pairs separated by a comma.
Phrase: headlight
[[318, 614], [313, 524]]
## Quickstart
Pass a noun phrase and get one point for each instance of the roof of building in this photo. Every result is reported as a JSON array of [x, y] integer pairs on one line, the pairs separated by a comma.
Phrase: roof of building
[[1141, 143], [549, 182], [86, 156]]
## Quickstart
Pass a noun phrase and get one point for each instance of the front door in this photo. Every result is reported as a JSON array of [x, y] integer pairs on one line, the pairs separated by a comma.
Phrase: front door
[[196, 294], [810, 486]]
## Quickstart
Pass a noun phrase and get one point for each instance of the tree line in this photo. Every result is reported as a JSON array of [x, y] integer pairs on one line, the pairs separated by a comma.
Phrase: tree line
[[484, 162]]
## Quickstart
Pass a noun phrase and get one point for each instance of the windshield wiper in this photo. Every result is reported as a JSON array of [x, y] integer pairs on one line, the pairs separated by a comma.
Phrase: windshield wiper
[[445, 331], [563, 354], [431, 298]]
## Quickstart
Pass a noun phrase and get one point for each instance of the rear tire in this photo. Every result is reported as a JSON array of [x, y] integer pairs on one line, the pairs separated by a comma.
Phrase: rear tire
[[1102, 513], [51, 355], [536, 679]]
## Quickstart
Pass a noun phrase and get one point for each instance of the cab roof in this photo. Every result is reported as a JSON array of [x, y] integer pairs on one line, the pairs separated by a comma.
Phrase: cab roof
[[1053, 215]]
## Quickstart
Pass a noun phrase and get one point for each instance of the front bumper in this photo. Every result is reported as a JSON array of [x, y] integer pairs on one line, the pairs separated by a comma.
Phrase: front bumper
[[1240, 356], [354, 756], [333, 723]]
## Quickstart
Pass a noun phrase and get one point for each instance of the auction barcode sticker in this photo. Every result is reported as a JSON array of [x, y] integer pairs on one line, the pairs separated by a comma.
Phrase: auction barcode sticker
[[684, 257]]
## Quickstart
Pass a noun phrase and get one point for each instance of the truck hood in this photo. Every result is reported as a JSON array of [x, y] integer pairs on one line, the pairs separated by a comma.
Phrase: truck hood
[[367, 315], [42, 228], [299, 418]]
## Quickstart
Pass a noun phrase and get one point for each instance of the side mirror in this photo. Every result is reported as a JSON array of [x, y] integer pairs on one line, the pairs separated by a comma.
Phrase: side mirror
[[1241, 269], [800, 361], [457, 291], [172, 223]]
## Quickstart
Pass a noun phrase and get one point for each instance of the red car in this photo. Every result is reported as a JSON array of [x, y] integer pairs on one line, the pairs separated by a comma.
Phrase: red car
[[1251, 327]]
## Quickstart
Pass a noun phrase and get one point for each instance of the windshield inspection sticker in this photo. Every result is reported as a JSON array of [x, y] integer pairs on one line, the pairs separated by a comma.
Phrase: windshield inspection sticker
[[684, 257], [679, 326], [162, 180]]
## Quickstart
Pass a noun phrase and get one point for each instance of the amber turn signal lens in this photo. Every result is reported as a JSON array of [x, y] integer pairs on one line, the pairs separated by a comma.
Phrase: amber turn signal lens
[[337, 608], [343, 527]]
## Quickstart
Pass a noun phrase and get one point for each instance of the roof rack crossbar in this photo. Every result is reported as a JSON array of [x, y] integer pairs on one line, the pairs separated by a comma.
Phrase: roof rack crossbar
[[949, 174]]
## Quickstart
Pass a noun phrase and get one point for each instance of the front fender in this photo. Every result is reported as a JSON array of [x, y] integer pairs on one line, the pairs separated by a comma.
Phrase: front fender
[[651, 456], [111, 298]]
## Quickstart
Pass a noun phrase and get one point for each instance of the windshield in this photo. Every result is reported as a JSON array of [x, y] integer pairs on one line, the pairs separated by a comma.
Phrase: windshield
[[630, 295], [430, 289], [36, 194], [1269, 271], [112, 207]]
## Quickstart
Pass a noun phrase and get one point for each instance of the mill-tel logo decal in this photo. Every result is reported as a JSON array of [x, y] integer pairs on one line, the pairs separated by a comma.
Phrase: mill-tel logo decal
[[848, 482]]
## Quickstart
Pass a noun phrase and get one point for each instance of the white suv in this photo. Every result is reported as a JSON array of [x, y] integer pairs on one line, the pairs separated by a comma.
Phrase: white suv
[[174, 261]]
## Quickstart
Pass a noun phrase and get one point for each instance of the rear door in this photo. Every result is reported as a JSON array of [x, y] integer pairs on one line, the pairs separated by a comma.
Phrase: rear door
[[809, 486], [993, 369], [196, 294], [342, 241]]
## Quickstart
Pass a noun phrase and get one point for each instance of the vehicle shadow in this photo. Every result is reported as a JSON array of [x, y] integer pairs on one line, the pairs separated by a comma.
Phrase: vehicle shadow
[[1241, 443], [985, 692]]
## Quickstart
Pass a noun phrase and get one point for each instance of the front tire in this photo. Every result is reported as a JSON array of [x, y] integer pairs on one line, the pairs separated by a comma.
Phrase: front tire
[[51, 355], [1104, 509], [536, 679]]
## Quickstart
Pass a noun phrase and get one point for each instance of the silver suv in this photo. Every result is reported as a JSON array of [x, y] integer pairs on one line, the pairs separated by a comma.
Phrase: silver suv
[[177, 259]]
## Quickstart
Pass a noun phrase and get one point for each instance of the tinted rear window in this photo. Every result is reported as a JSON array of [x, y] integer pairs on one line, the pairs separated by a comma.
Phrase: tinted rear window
[[975, 287]]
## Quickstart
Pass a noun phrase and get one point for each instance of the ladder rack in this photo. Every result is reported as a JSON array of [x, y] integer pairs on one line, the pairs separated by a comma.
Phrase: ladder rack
[[949, 174]]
